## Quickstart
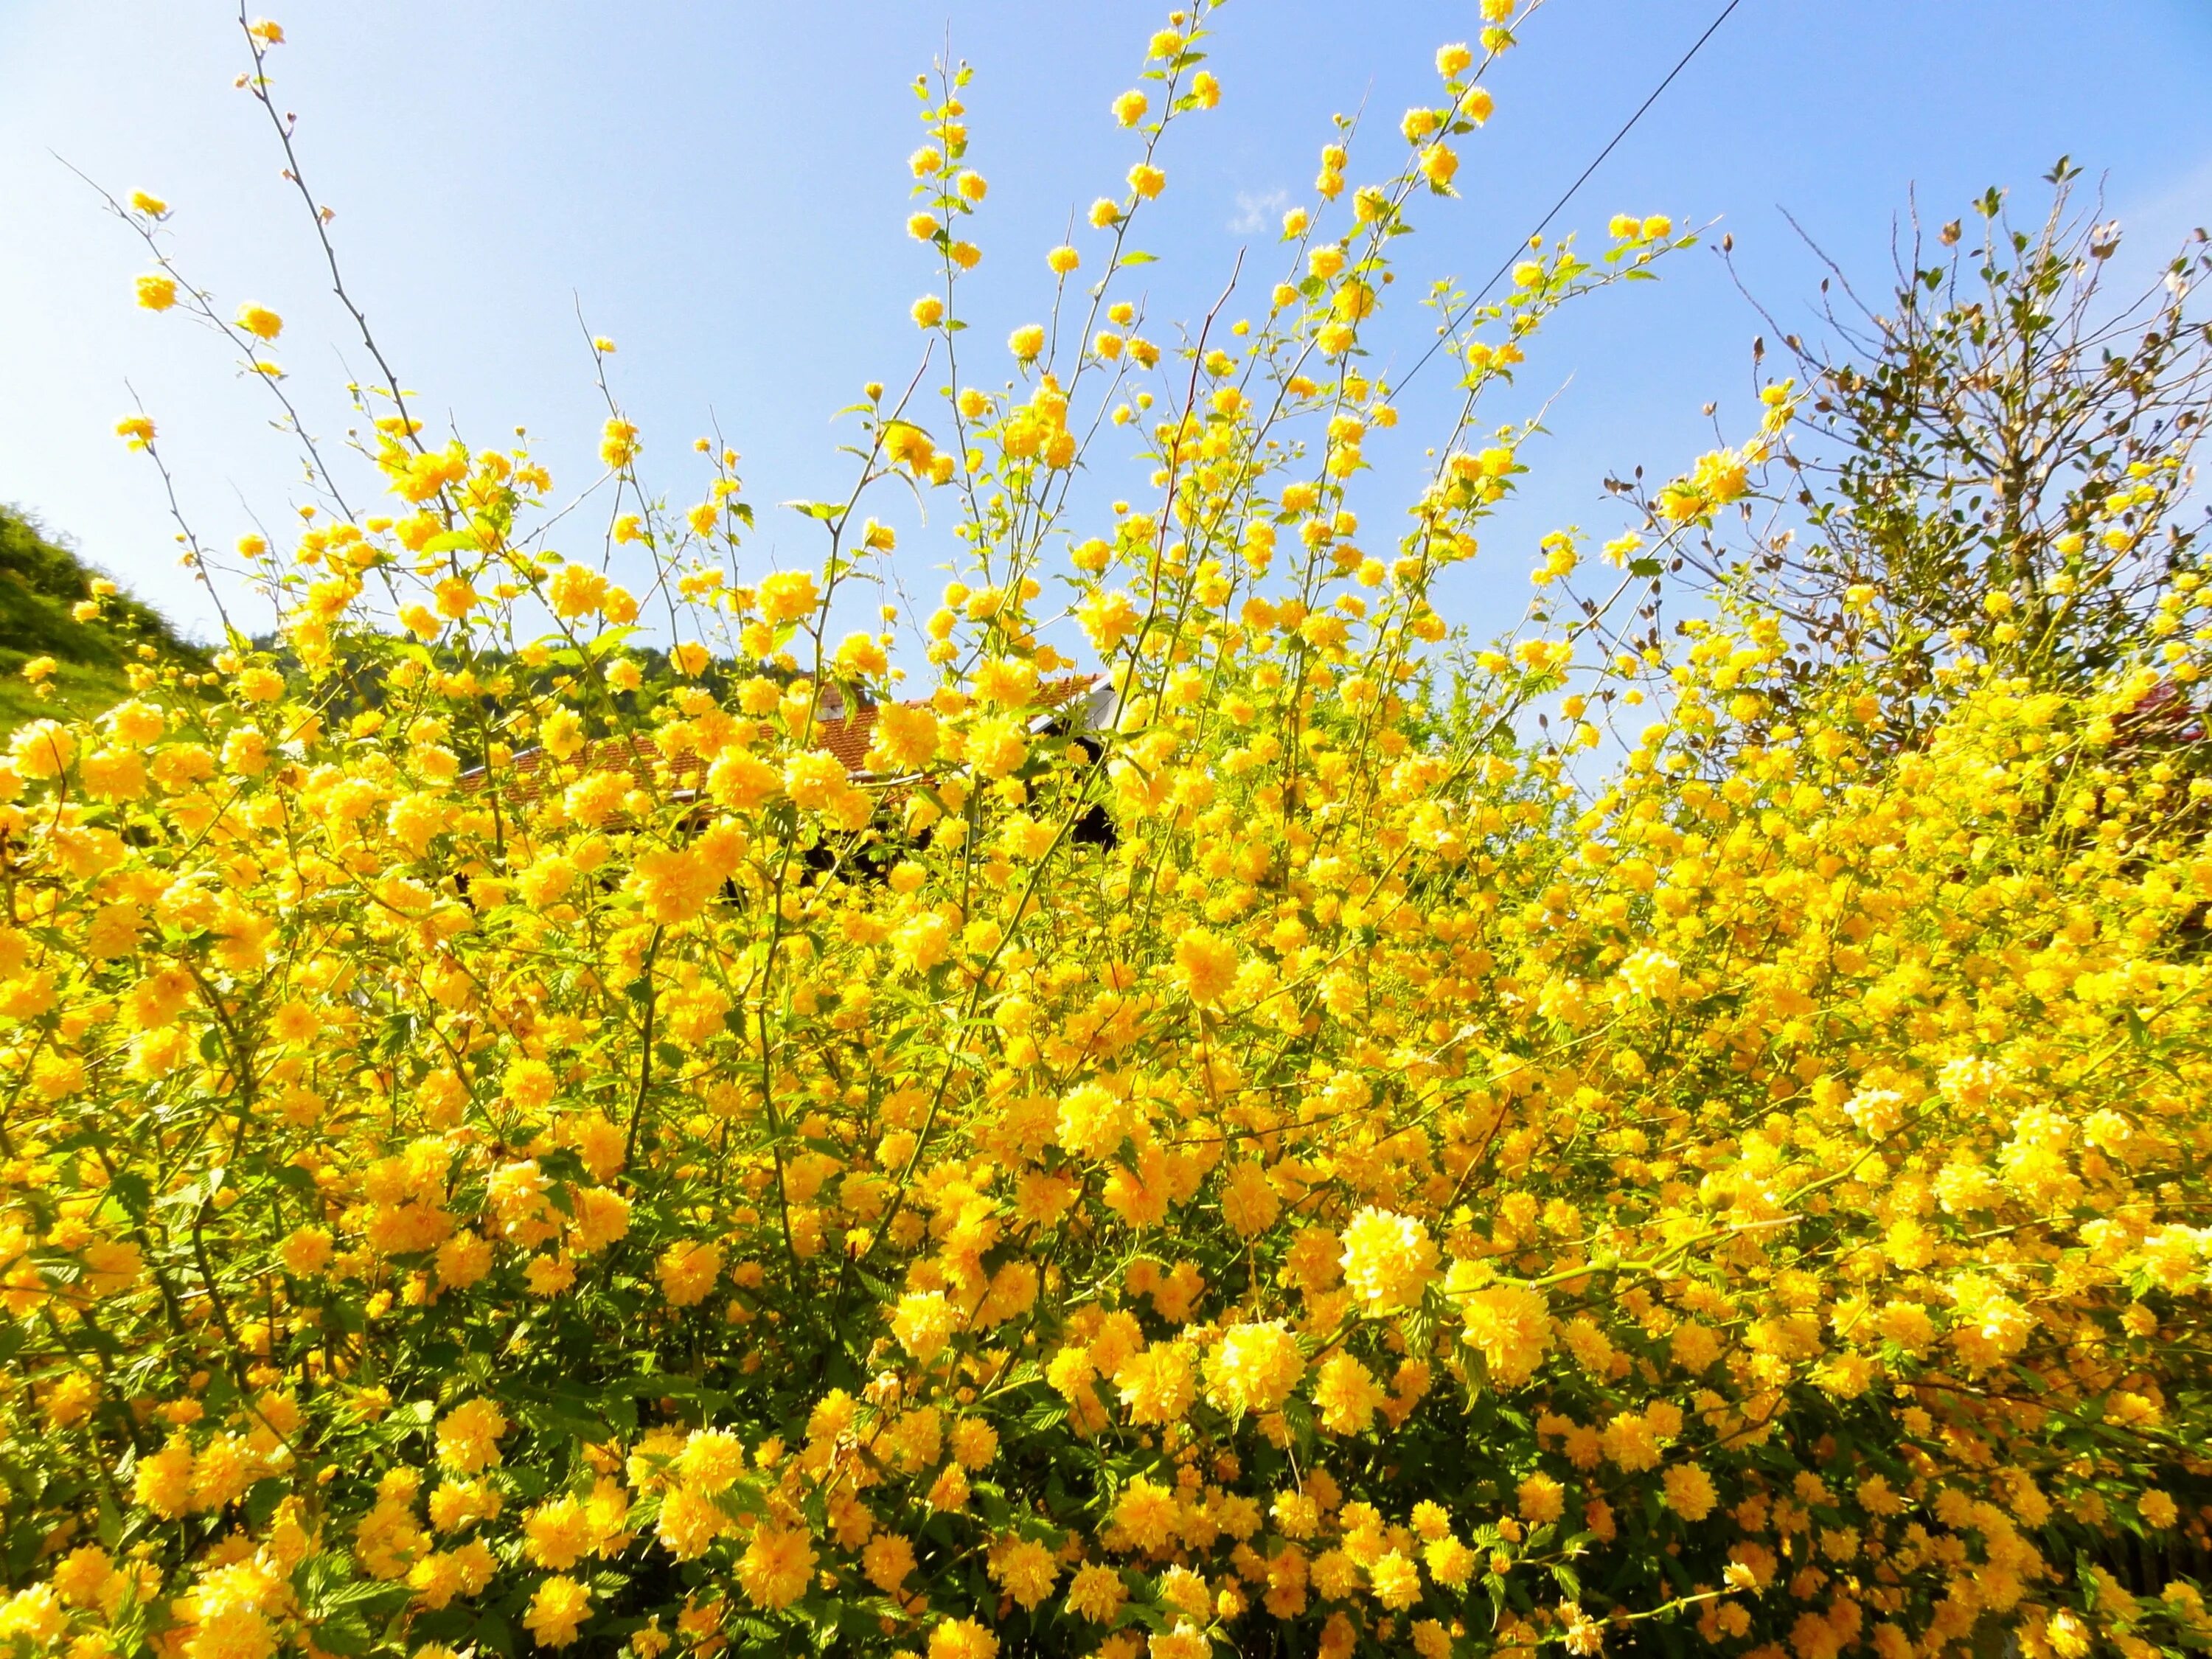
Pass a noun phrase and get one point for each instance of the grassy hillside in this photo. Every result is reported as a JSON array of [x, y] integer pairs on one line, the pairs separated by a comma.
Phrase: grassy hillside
[[40, 580]]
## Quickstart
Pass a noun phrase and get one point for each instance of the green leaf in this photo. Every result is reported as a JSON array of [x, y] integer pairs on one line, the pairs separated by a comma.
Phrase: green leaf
[[262, 1499], [133, 1191], [347, 1635]]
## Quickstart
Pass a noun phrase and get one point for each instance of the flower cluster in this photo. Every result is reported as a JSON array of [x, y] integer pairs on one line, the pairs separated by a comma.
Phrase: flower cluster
[[1208, 1130]]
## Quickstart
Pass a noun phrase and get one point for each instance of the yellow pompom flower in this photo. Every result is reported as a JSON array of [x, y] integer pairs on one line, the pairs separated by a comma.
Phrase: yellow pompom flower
[[1254, 1367], [468, 1437], [558, 1610], [924, 1323], [1388, 1259], [788, 596], [1688, 1491], [1511, 1326], [617, 443], [688, 1270], [777, 1566], [559, 1534], [1205, 963]]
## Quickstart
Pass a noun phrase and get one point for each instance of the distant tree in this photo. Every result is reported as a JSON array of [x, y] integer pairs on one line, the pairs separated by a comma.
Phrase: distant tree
[[1996, 464]]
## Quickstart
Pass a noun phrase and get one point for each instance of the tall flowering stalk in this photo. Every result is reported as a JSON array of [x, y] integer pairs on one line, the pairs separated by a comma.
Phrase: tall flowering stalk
[[1196, 1123]]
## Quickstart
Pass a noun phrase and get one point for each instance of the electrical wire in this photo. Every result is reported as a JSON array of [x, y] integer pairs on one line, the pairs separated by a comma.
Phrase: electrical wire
[[1444, 333]]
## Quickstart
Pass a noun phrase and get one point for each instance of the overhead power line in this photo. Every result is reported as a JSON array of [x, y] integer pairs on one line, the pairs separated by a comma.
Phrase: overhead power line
[[1512, 258]]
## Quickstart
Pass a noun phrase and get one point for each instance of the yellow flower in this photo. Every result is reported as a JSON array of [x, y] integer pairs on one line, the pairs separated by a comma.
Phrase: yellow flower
[[1688, 1491], [156, 292], [468, 1437], [1146, 1512], [1206, 964], [788, 596], [1395, 1581], [1511, 1326], [861, 655], [924, 1324], [1254, 1367], [557, 1608], [1025, 1570], [306, 1251], [42, 748], [559, 1534], [1540, 1499], [1157, 1385], [777, 1566], [961, 1638], [1147, 180], [1096, 1593], [260, 322], [712, 1460], [1129, 108], [1348, 1395], [617, 443], [888, 1561], [1388, 1259]]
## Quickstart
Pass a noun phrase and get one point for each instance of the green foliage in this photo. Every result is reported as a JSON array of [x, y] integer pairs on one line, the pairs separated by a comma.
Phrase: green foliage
[[41, 578]]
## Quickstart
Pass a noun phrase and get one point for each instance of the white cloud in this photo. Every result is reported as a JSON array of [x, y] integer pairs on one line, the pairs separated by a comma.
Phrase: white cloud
[[1256, 212]]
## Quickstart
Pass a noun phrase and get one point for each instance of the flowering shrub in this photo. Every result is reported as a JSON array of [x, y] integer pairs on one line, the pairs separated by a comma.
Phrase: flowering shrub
[[1203, 1127]]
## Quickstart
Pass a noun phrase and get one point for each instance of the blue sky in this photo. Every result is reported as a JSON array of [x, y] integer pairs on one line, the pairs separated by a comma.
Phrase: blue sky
[[721, 188]]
